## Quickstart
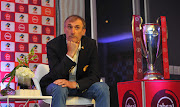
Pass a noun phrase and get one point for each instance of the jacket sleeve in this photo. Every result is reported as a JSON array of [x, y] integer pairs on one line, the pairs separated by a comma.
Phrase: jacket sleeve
[[93, 72], [59, 63]]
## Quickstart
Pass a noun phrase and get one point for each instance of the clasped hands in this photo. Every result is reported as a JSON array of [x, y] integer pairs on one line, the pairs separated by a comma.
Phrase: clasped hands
[[65, 83]]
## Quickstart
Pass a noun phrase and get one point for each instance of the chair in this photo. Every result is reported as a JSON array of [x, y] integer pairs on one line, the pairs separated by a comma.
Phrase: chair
[[42, 70]]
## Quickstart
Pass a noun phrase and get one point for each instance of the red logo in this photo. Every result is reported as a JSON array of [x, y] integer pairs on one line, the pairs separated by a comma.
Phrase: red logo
[[7, 56], [7, 36], [7, 16], [36, 59], [35, 38], [35, 19], [21, 27], [34, 1], [48, 11], [48, 30], [130, 99], [21, 8], [21, 47], [22, 1], [165, 98]]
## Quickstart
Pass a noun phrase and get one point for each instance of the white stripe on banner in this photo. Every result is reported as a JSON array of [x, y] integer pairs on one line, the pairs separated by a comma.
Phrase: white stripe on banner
[[70, 7]]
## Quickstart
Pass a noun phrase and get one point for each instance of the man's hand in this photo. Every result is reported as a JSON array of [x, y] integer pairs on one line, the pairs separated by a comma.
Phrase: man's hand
[[65, 83], [72, 48]]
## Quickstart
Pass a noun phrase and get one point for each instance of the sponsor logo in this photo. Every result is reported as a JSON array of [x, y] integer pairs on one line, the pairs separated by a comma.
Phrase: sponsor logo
[[34, 67], [47, 2], [7, 6], [21, 55], [7, 26], [35, 10], [21, 8], [21, 47], [21, 36], [21, 1], [48, 30], [165, 98], [48, 20], [7, 45], [35, 19], [35, 48], [21, 18], [35, 1], [36, 59], [47, 39], [35, 38], [7, 36], [7, 68], [48, 11], [7, 56], [130, 99], [21, 27], [35, 29], [7, 16]]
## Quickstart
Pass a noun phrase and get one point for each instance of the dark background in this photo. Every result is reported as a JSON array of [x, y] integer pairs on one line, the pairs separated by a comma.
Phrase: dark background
[[114, 21]]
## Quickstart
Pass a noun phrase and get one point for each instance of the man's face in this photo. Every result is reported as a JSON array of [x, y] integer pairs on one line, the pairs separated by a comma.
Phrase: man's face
[[74, 30]]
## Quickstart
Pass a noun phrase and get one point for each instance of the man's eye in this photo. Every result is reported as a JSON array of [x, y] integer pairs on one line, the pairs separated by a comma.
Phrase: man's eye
[[69, 27], [76, 27]]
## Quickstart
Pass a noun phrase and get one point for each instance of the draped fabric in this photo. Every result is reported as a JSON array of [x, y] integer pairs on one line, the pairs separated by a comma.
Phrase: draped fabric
[[65, 8]]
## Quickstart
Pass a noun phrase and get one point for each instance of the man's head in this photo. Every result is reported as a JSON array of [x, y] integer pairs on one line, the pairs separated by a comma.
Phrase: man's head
[[74, 28]]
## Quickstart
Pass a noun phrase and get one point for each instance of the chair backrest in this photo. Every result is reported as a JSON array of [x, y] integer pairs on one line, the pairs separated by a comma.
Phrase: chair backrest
[[41, 70]]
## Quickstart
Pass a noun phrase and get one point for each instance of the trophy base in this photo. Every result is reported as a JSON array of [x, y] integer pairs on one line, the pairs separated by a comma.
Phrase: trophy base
[[153, 76]]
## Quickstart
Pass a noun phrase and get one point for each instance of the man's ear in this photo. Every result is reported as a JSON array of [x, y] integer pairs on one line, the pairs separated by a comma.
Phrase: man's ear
[[84, 31]]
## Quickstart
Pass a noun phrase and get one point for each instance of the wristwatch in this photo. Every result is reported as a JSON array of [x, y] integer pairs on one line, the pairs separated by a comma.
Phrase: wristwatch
[[77, 85]]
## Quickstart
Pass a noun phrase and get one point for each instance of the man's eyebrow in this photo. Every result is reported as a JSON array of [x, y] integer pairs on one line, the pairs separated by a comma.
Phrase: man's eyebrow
[[69, 24]]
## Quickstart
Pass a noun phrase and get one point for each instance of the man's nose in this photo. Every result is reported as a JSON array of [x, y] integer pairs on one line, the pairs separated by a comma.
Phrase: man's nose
[[73, 30]]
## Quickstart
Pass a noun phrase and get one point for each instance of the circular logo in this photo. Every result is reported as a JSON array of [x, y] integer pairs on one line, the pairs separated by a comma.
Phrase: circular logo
[[21, 8], [35, 19], [165, 98], [21, 47], [7, 36], [21, 27], [48, 11], [36, 59], [48, 30], [130, 99], [7, 56], [34, 1], [7, 16], [35, 38]]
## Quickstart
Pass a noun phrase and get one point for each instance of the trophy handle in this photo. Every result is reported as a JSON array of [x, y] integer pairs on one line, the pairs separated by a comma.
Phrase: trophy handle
[[158, 21], [140, 27]]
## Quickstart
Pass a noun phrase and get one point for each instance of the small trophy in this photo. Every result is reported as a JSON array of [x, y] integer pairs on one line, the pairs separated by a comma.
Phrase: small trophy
[[150, 44]]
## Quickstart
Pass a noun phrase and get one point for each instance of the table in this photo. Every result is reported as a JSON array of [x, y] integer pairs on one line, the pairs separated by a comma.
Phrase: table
[[9, 98]]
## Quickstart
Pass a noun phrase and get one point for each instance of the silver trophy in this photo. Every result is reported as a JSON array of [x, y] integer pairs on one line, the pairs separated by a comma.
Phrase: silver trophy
[[150, 44]]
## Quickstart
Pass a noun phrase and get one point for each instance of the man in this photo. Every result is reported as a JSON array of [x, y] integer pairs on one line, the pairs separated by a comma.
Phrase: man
[[73, 62]]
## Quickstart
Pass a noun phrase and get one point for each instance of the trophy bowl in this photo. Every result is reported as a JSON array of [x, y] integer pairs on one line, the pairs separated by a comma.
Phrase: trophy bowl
[[150, 39]]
